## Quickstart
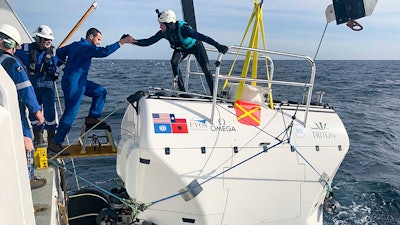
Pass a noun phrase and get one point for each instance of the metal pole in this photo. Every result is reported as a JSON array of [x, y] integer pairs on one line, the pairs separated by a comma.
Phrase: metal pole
[[79, 23]]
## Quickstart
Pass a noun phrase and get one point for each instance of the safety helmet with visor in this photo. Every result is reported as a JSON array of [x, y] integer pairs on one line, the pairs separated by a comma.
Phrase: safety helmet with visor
[[10, 36]]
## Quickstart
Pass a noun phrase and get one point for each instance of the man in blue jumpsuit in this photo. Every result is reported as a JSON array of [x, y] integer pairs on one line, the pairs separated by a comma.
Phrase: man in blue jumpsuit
[[10, 40], [184, 40], [40, 61], [75, 84]]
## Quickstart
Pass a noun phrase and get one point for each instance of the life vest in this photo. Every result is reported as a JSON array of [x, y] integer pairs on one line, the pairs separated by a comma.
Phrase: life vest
[[187, 42], [182, 42], [47, 64]]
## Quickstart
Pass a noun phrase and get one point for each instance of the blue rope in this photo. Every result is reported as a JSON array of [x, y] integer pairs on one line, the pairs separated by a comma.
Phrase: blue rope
[[326, 182], [91, 183], [265, 149]]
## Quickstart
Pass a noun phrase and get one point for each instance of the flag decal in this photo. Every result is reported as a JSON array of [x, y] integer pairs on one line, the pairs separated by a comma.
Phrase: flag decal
[[167, 123], [248, 113]]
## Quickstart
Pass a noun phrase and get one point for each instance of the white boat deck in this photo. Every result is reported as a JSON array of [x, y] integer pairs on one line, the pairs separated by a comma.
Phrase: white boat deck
[[45, 199]]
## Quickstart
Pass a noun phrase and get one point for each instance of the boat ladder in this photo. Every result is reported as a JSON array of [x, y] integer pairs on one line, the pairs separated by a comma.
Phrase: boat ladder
[[92, 138]]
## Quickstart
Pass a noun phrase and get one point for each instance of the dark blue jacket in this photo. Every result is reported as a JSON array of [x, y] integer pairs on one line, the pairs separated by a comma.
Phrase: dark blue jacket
[[26, 93]]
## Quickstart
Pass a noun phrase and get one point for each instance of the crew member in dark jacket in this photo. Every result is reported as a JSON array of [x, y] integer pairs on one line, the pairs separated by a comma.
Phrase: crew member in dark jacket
[[40, 60], [184, 40]]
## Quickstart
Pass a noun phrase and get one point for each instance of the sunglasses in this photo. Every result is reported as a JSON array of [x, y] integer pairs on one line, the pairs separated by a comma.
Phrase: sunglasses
[[45, 39]]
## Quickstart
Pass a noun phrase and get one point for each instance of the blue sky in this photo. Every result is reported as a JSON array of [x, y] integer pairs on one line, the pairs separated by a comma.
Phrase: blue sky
[[290, 25]]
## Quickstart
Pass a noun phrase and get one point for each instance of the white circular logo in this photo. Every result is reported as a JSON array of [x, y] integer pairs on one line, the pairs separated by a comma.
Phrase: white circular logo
[[162, 127]]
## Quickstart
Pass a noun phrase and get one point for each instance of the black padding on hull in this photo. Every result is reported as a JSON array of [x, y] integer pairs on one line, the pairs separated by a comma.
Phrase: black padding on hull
[[85, 205]]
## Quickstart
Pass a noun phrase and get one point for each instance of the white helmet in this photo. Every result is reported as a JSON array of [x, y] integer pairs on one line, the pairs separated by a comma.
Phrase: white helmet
[[167, 16], [12, 33], [44, 32]]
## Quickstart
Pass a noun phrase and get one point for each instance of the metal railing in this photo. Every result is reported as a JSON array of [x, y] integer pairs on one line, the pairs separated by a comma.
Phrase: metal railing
[[265, 54]]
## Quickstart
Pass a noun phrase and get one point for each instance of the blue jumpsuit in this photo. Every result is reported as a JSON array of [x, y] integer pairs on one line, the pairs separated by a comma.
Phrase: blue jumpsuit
[[75, 84], [42, 78], [26, 96]]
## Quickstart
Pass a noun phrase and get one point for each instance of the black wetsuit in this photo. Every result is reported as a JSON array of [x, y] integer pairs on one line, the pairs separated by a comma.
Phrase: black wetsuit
[[180, 52]]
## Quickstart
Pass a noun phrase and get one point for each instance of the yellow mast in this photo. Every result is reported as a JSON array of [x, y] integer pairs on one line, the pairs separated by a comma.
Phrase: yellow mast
[[256, 19]]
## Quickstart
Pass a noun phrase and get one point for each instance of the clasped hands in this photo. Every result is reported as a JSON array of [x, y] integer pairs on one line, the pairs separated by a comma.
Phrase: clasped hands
[[126, 38]]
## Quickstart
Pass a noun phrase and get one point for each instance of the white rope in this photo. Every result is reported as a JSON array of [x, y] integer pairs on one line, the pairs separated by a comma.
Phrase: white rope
[[61, 111]]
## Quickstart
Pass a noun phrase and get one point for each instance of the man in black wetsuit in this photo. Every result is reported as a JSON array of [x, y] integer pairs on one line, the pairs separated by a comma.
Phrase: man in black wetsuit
[[184, 40]]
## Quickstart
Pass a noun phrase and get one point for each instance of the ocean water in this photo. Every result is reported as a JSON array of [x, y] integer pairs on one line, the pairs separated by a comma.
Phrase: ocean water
[[364, 93]]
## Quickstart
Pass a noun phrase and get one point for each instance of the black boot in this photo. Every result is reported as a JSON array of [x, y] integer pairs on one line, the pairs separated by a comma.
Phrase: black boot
[[38, 137], [57, 148], [37, 182], [50, 136], [94, 121]]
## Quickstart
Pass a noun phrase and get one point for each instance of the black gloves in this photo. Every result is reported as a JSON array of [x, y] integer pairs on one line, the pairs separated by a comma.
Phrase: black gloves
[[55, 77], [222, 48], [124, 36]]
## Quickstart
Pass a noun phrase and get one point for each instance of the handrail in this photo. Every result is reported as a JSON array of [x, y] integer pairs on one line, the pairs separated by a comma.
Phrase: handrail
[[236, 51]]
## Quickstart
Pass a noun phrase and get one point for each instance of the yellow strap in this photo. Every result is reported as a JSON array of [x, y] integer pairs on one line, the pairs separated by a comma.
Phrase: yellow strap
[[271, 101], [256, 19], [241, 44], [253, 40]]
